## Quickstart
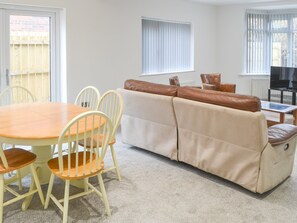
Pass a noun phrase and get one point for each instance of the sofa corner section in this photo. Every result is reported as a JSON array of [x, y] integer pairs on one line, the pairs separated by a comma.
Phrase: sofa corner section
[[276, 165], [145, 126]]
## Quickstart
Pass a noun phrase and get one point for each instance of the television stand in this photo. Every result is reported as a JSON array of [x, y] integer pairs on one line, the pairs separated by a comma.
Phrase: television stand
[[282, 90]]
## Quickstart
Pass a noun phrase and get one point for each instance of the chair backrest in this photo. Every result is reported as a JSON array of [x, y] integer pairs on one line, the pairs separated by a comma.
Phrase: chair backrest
[[16, 95], [174, 81], [91, 124], [88, 97], [111, 103], [214, 79], [3, 157]]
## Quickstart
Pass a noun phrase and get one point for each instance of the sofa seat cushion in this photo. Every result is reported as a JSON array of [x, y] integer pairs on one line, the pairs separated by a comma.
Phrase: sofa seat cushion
[[231, 100], [153, 88], [280, 133]]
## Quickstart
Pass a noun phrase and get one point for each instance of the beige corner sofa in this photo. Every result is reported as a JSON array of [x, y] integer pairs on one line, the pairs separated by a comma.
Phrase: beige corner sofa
[[221, 133]]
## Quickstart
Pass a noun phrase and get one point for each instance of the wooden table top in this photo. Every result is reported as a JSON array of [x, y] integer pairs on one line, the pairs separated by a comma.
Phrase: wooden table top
[[35, 121]]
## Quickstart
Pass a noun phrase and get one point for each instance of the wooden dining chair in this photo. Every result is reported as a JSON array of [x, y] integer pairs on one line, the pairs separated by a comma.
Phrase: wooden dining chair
[[82, 163], [15, 159], [16, 95], [88, 97], [111, 103]]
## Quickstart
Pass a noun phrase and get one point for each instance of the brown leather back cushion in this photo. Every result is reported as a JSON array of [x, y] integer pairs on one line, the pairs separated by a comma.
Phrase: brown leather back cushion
[[231, 100], [152, 88]]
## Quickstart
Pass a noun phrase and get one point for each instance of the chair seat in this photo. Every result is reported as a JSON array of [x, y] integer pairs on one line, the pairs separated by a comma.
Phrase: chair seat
[[90, 170], [16, 159], [89, 141]]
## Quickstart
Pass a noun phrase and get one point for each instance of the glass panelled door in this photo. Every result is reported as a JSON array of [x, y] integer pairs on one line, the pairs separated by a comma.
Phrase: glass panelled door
[[29, 54]]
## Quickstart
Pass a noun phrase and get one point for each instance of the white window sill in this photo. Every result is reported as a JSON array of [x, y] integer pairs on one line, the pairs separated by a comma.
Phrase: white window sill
[[254, 74], [164, 73]]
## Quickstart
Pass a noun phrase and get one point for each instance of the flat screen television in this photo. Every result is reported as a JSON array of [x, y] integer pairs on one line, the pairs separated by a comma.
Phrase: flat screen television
[[283, 78]]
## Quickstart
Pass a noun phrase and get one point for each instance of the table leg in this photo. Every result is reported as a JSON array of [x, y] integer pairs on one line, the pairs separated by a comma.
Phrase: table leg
[[43, 154], [295, 117], [282, 118]]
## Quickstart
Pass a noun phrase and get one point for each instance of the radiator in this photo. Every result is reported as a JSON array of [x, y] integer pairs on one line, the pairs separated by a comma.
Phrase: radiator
[[260, 87]]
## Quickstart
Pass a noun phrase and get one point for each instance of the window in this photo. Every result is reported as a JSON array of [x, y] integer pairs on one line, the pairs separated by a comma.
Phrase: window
[[166, 47], [271, 40]]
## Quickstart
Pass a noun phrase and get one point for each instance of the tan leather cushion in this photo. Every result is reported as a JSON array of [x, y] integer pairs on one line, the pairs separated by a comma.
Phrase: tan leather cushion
[[241, 102], [213, 79], [174, 81], [152, 88], [280, 133]]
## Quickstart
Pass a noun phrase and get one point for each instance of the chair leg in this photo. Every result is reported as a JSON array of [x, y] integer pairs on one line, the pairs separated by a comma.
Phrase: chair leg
[[104, 196], [28, 199], [115, 162], [37, 183], [19, 176], [49, 190], [53, 149], [1, 197], [73, 147], [86, 187], [66, 201]]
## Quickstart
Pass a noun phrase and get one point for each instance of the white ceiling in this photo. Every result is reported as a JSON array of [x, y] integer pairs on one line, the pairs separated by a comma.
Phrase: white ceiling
[[229, 2]]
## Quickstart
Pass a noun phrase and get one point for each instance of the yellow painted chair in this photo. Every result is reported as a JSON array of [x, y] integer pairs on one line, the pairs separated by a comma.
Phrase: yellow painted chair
[[111, 103], [16, 95], [88, 97], [15, 159], [80, 163]]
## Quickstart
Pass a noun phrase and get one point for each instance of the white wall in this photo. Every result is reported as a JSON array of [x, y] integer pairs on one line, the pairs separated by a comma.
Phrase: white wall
[[230, 43], [104, 39]]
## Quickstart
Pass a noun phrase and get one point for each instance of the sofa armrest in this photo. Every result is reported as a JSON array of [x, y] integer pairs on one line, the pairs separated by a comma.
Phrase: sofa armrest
[[209, 87], [280, 133], [228, 88]]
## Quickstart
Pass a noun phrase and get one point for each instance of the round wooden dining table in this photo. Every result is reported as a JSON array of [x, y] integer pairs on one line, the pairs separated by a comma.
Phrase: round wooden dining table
[[37, 125]]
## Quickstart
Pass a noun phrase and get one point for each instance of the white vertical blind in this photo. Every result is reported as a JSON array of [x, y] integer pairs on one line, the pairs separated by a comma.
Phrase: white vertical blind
[[271, 40], [166, 47], [257, 55]]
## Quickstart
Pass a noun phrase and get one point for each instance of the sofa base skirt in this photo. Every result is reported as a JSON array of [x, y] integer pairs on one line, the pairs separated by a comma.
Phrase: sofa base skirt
[[148, 135], [255, 171], [225, 160]]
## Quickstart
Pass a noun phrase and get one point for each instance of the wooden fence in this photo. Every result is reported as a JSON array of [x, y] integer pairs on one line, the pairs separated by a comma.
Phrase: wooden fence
[[30, 64]]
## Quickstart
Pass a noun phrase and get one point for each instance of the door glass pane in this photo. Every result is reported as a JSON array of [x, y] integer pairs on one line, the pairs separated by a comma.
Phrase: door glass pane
[[294, 60], [30, 54], [280, 49], [281, 23]]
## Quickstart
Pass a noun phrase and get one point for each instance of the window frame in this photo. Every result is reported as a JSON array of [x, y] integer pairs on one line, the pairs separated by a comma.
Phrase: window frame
[[269, 44], [191, 68]]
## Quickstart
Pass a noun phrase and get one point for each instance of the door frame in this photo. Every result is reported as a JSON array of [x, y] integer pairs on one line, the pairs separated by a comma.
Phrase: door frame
[[55, 43]]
